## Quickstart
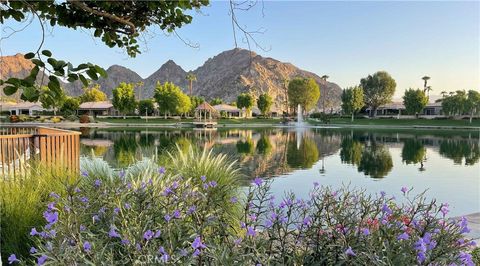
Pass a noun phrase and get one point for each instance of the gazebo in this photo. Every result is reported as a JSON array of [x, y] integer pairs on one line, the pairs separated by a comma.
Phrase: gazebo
[[204, 114]]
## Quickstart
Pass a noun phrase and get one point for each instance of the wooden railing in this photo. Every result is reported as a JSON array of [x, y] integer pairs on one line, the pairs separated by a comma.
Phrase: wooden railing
[[54, 149]]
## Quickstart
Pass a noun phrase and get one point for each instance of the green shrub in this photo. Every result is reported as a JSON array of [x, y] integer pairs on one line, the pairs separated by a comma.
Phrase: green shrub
[[21, 206]]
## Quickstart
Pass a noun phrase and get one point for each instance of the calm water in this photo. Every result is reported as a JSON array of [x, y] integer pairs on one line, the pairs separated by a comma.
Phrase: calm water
[[446, 163]]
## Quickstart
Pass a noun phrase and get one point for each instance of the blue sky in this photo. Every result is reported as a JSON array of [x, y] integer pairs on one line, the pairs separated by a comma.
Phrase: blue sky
[[345, 40]]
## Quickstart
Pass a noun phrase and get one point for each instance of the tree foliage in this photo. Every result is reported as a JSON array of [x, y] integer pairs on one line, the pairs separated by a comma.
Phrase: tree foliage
[[264, 103], [171, 99], [245, 100], [378, 89], [146, 106], [70, 106], [216, 101], [473, 103], [124, 98], [195, 102], [93, 94], [52, 99], [352, 100], [455, 104], [303, 91], [115, 23], [415, 101]]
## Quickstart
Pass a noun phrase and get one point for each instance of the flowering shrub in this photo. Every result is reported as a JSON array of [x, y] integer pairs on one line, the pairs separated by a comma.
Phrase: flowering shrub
[[148, 215]]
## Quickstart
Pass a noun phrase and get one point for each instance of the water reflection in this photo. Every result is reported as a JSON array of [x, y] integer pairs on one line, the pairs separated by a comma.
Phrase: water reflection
[[273, 152]]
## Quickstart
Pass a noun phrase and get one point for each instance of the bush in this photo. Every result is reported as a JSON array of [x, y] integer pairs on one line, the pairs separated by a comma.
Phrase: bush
[[21, 207], [145, 213], [84, 119], [56, 119], [14, 119], [72, 118]]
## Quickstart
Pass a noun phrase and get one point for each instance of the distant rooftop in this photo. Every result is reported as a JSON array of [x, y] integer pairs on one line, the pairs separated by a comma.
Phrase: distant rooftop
[[96, 105]]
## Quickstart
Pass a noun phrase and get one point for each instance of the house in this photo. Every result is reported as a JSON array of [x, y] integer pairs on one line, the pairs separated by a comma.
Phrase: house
[[22, 108], [96, 108], [393, 108], [229, 111], [433, 109]]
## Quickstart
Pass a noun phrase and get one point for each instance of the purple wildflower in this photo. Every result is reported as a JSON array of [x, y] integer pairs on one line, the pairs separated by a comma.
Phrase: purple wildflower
[[464, 226], [121, 174], [148, 235], [191, 209], [307, 221], [237, 241], [205, 186], [196, 253], [41, 260], [33, 250], [51, 206], [234, 200], [167, 191], [157, 234], [383, 194], [127, 206], [76, 190], [403, 236], [12, 259], [349, 252], [444, 209], [125, 242], [165, 257], [176, 214], [98, 183], [421, 257], [167, 217], [212, 183], [251, 231], [252, 217], [54, 195], [86, 246], [268, 223], [466, 258], [138, 246], [316, 184], [84, 199], [404, 190], [84, 173], [386, 209], [204, 178], [257, 181], [33, 232], [116, 210], [365, 231], [197, 243], [161, 170], [112, 233], [50, 217]]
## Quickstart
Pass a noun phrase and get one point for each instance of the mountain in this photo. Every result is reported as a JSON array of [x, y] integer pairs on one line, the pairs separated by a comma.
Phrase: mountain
[[235, 71], [169, 71], [225, 76]]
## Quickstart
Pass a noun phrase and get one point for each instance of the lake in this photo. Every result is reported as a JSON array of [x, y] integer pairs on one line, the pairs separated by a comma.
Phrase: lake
[[445, 163]]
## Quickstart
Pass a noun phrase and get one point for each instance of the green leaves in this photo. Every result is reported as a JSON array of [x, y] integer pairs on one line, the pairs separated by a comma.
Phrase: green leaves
[[47, 53], [29, 56], [10, 90]]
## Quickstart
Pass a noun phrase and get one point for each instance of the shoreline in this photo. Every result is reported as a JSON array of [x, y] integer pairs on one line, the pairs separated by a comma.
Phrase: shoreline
[[187, 125]]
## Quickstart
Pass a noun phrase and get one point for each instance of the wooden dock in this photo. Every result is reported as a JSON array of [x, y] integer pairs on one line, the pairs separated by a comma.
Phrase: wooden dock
[[205, 124], [52, 148]]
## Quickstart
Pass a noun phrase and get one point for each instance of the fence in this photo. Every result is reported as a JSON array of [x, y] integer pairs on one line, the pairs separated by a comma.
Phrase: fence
[[54, 148]]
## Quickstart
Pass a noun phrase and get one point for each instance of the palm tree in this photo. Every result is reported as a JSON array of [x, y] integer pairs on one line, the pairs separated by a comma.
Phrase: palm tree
[[428, 89], [325, 77], [324, 96], [191, 77], [425, 79], [285, 85], [444, 94]]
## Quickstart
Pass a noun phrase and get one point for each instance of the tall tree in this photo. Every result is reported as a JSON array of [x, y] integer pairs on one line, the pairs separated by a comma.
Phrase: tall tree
[[191, 78], [171, 99], [378, 89], [455, 103], [115, 23], [70, 106], [326, 101], [285, 88], [414, 101], [195, 101], [444, 94], [245, 100], [124, 98], [425, 81], [264, 103], [93, 94], [473, 103], [352, 100], [52, 99], [304, 92], [146, 107]]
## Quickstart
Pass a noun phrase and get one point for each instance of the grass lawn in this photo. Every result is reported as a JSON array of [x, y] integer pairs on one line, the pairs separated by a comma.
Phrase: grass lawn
[[401, 122]]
